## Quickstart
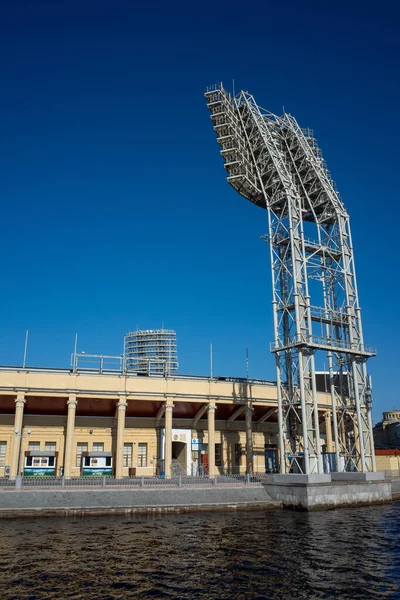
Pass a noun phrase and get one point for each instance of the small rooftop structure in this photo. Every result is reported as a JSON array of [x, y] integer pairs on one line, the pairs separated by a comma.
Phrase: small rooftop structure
[[151, 352], [391, 415]]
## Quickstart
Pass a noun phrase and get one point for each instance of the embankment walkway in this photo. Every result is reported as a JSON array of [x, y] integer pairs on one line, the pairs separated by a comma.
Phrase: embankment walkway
[[63, 502], [30, 497]]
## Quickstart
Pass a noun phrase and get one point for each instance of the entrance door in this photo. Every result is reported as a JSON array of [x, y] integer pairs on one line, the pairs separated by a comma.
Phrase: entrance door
[[271, 459], [179, 458]]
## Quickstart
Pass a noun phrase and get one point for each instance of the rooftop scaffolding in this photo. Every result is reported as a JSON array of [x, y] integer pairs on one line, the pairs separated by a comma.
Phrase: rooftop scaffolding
[[151, 351]]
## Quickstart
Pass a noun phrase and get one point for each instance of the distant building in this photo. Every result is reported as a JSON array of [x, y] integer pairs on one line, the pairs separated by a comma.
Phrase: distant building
[[387, 432], [151, 352]]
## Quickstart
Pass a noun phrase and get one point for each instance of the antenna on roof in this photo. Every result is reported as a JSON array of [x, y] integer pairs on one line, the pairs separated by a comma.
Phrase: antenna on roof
[[25, 348], [75, 363]]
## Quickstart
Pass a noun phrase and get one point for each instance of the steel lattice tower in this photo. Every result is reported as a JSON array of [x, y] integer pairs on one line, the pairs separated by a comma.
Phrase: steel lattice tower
[[278, 166]]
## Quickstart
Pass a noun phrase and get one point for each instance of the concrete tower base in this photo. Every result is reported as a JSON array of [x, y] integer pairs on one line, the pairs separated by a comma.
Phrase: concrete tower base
[[322, 492]]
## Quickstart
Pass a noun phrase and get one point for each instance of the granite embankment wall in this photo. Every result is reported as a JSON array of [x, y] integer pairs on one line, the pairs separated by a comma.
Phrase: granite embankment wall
[[63, 502], [122, 501], [396, 489], [326, 495]]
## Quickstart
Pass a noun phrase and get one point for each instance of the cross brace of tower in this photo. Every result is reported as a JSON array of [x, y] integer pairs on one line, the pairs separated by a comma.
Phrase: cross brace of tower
[[278, 166]]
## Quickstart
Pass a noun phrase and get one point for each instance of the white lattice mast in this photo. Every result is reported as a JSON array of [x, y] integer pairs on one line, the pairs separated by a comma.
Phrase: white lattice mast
[[279, 167]]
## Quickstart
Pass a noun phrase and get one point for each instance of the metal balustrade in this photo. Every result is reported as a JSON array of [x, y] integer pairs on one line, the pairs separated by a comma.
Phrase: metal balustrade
[[220, 479], [6, 483], [392, 474], [40, 481], [131, 482], [323, 342]]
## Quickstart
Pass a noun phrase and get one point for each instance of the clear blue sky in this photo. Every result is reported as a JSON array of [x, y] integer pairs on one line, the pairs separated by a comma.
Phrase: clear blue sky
[[116, 212]]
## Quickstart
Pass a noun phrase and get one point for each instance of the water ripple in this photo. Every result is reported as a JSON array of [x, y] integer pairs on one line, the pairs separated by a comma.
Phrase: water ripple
[[346, 554]]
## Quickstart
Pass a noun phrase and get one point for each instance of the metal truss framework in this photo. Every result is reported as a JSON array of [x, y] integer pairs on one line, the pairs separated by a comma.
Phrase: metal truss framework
[[278, 166]]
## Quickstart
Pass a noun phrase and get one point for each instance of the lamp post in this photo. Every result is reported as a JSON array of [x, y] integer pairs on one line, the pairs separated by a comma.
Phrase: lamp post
[[21, 436]]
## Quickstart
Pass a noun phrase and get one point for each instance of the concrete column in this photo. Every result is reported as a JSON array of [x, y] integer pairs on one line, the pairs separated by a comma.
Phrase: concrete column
[[225, 453], [168, 439], [121, 410], [249, 437], [17, 441], [328, 431], [371, 442], [343, 436], [357, 446], [69, 440], [211, 438]]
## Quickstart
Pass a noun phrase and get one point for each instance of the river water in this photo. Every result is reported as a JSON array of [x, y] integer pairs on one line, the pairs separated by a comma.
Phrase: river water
[[345, 553]]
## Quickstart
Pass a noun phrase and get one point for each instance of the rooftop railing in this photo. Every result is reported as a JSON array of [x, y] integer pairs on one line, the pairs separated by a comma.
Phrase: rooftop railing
[[117, 372]]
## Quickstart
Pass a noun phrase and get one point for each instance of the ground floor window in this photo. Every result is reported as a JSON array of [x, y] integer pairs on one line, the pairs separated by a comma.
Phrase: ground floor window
[[80, 447], [218, 455], [127, 461], [98, 446], [142, 455], [50, 446], [40, 461], [3, 449], [238, 453]]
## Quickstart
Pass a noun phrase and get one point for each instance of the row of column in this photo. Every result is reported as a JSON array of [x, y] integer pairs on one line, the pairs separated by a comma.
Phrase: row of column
[[169, 406], [121, 412], [69, 442], [69, 438]]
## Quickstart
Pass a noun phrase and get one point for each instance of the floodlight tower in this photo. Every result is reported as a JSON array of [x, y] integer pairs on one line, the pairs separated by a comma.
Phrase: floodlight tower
[[278, 166]]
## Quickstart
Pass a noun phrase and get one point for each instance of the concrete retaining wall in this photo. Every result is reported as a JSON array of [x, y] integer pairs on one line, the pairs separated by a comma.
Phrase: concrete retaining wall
[[300, 496], [50, 502], [319, 496], [396, 489]]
